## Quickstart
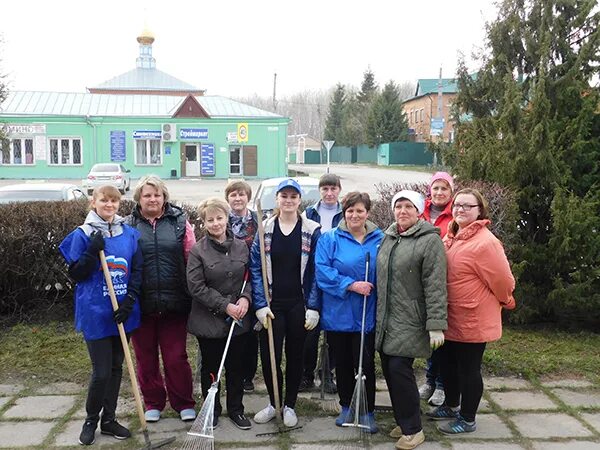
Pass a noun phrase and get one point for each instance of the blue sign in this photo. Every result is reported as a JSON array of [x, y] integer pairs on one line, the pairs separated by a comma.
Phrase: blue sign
[[193, 133], [437, 127], [146, 134], [207, 155], [167, 150], [117, 146]]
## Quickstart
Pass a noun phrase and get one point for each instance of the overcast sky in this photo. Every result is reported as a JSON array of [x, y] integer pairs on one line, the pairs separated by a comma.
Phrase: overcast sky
[[233, 48]]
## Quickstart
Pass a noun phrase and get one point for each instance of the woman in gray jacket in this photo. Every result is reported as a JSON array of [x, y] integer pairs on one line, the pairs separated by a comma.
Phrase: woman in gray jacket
[[411, 308], [215, 273]]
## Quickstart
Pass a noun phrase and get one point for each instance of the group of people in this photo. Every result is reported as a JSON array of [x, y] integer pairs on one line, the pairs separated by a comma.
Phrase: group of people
[[306, 272]]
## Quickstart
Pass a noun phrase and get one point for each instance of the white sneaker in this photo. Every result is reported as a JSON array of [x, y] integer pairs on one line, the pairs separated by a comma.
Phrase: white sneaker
[[289, 417], [426, 391], [437, 398], [265, 414]]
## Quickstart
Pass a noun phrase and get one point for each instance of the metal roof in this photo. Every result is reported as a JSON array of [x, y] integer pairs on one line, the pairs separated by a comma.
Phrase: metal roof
[[142, 79], [430, 86], [34, 103]]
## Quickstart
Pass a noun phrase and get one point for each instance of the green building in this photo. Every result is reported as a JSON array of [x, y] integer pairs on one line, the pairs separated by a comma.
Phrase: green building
[[144, 119]]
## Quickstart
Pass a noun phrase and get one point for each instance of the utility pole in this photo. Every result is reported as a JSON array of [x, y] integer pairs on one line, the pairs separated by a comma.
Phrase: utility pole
[[275, 92]]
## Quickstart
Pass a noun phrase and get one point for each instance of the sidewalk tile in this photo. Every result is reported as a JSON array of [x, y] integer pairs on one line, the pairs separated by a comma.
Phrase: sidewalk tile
[[382, 398], [41, 407], [10, 389], [593, 419], [70, 436], [4, 401], [489, 426], [322, 429], [125, 407], [496, 383], [573, 383], [60, 388], [579, 399], [570, 445], [21, 434], [486, 446], [548, 425], [522, 400]]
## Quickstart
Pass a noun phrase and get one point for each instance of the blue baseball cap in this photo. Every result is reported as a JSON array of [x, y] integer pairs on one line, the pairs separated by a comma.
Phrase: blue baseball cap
[[289, 183]]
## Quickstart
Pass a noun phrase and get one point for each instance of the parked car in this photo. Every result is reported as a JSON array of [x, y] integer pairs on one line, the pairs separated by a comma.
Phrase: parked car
[[31, 192], [266, 193], [107, 173]]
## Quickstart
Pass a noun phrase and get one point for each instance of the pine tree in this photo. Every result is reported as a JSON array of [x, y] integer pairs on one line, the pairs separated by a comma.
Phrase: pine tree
[[534, 122], [368, 88], [386, 121], [335, 115]]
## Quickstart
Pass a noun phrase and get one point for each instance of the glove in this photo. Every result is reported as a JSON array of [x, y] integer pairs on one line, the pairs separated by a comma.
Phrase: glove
[[96, 242], [436, 339], [125, 308], [311, 319], [261, 315]]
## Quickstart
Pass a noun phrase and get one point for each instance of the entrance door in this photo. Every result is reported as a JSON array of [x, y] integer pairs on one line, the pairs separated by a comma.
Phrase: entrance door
[[192, 160], [250, 159]]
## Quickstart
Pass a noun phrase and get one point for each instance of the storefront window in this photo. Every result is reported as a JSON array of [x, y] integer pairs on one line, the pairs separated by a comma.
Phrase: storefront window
[[65, 151], [17, 151], [147, 152]]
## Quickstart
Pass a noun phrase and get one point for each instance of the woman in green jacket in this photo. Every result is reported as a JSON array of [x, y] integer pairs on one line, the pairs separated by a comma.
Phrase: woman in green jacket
[[411, 308]]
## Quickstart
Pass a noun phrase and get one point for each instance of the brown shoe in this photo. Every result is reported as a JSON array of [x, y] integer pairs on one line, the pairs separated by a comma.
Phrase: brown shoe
[[407, 442], [396, 432]]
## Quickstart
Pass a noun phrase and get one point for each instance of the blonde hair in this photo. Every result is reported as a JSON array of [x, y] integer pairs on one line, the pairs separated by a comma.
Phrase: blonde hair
[[108, 191], [211, 204], [155, 182]]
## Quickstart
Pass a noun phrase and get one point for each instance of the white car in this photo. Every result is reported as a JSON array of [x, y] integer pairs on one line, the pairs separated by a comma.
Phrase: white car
[[34, 192], [107, 173], [266, 193]]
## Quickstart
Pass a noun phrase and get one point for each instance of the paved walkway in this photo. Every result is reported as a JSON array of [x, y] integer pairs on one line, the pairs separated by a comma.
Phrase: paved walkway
[[514, 414]]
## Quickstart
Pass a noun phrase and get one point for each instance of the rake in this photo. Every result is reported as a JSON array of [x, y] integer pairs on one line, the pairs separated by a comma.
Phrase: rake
[[201, 435], [136, 390], [357, 417]]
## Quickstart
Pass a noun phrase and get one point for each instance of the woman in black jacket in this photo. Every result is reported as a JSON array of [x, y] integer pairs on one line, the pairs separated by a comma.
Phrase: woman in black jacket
[[215, 275]]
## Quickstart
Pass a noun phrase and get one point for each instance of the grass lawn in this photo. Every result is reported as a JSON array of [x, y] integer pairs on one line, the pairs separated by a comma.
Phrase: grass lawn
[[54, 352]]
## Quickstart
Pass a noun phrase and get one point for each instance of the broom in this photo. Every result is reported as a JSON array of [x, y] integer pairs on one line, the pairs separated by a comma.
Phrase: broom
[[357, 417], [201, 435]]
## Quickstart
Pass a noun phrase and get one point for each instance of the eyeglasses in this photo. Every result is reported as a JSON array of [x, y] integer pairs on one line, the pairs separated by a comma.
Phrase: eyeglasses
[[464, 206]]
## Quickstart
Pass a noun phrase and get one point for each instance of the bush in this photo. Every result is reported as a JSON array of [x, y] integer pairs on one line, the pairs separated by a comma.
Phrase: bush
[[34, 279]]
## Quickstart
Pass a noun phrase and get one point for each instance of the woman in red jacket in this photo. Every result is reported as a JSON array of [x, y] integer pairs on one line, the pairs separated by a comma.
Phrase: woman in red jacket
[[480, 284]]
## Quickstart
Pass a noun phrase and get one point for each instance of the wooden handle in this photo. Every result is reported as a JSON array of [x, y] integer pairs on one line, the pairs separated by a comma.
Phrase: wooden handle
[[124, 343]]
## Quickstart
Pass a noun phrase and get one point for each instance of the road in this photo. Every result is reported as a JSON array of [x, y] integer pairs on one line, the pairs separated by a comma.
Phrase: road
[[189, 190]]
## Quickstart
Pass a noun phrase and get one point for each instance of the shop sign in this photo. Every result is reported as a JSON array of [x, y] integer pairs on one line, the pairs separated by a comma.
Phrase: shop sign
[[242, 132], [117, 146], [193, 133], [147, 134], [207, 165], [27, 128], [232, 137]]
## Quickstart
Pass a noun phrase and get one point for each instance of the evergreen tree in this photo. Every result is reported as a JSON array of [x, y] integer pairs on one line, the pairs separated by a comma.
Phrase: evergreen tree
[[534, 125], [335, 115], [353, 124], [386, 121], [368, 88]]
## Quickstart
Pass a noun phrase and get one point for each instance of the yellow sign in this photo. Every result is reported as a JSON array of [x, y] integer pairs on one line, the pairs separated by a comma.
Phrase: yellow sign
[[242, 132]]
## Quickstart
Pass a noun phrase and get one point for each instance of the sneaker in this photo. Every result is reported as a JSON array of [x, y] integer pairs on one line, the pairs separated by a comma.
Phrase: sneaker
[[442, 413], [408, 442], [88, 433], [457, 426], [248, 386], [396, 433], [369, 420], [241, 421], [265, 415], [152, 415], [330, 386], [187, 414], [306, 384], [437, 398], [114, 429], [344, 416], [426, 391], [289, 417]]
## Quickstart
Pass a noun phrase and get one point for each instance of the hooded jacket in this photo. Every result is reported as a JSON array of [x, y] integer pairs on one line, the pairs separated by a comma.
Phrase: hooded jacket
[[310, 236], [411, 287], [93, 307], [215, 275], [340, 261], [164, 287], [480, 284]]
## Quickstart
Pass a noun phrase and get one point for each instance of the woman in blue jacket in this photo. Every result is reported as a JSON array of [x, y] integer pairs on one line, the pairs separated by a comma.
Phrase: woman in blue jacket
[[104, 230], [340, 268]]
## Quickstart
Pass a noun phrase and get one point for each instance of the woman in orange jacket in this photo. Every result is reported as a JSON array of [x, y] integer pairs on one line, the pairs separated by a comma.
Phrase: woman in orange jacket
[[480, 284]]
